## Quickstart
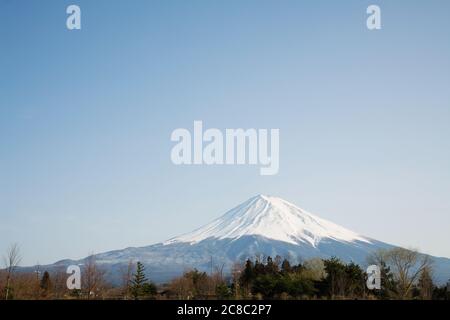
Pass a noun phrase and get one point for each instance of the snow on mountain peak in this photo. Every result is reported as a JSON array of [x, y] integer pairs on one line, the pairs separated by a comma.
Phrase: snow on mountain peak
[[273, 218]]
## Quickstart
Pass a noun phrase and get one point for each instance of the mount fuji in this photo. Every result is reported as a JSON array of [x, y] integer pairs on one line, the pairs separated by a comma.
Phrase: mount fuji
[[261, 226], [272, 218]]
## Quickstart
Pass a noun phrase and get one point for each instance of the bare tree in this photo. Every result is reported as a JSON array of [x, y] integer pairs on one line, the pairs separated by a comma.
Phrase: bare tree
[[182, 288], [236, 272], [127, 274], [315, 269], [407, 265], [11, 261], [59, 289], [425, 284], [92, 278], [219, 271]]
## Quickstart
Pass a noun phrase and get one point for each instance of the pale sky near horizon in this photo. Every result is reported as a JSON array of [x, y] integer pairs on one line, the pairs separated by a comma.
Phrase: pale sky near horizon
[[86, 118]]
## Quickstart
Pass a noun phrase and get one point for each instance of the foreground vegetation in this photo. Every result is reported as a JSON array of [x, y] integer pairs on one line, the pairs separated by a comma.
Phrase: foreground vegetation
[[405, 274]]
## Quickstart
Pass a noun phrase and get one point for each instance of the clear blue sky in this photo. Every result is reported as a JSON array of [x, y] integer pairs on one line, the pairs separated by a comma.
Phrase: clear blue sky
[[86, 118]]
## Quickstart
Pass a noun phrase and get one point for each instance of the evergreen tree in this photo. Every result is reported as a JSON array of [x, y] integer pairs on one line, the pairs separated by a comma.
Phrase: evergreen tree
[[442, 292], [388, 283], [140, 286], [336, 277], [149, 289], [271, 267], [299, 286], [286, 266], [266, 285], [45, 284], [355, 284], [259, 268], [247, 276], [223, 291]]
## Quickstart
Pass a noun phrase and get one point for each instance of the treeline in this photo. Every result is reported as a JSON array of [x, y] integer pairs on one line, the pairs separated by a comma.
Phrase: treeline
[[94, 286], [45, 285], [328, 279], [405, 274]]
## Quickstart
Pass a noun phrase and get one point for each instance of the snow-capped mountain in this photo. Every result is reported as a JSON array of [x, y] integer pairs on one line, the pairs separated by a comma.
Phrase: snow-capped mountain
[[261, 226], [272, 218]]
